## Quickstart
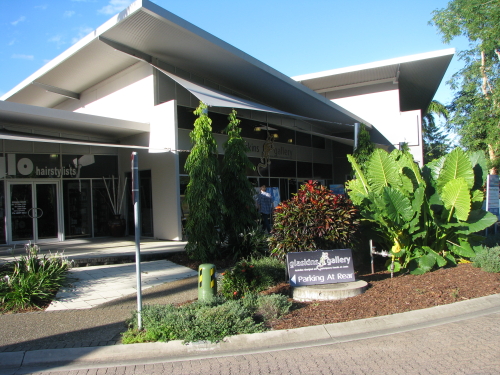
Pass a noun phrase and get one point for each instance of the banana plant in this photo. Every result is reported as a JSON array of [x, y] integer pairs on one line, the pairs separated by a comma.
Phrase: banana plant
[[427, 218]]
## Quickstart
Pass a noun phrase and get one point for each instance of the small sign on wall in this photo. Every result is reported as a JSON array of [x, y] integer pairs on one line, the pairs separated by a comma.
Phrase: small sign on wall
[[320, 267]]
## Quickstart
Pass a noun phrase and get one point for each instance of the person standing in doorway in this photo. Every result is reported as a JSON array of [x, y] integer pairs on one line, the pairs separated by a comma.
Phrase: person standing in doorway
[[265, 205]]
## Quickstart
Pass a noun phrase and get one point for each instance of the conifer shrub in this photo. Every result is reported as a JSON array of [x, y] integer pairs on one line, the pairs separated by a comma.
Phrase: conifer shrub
[[251, 276], [488, 259], [313, 219]]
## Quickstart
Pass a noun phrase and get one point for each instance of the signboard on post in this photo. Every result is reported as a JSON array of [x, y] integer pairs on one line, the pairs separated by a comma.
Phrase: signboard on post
[[320, 267]]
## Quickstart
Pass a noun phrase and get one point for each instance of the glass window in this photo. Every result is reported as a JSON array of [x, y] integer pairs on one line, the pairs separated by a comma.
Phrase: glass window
[[303, 139], [304, 169], [77, 208], [103, 211], [322, 171], [318, 142], [90, 166], [283, 168]]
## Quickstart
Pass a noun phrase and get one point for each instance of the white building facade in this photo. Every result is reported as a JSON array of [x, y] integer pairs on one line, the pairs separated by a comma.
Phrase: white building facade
[[67, 131]]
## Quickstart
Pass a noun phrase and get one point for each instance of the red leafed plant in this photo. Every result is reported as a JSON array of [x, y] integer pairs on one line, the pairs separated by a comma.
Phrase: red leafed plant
[[313, 219]]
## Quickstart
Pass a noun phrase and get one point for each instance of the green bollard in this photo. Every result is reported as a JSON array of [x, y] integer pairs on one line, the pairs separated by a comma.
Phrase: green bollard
[[207, 285]]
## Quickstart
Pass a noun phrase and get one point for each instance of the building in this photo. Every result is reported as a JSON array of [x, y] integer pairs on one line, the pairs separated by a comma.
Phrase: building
[[131, 85]]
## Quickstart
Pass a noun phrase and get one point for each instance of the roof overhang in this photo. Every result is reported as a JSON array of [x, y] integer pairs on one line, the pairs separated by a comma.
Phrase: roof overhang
[[417, 77], [68, 122], [155, 32]]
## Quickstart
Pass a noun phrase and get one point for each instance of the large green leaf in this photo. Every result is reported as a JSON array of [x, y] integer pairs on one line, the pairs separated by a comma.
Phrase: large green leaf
[[398, 207], [426, 262], [411, 169], [456, 198], [359, 174], [478, 162], [435, 167], [356, 191], [382, 171], [478, 220], [462, 249], [441, 262], [457, 165]]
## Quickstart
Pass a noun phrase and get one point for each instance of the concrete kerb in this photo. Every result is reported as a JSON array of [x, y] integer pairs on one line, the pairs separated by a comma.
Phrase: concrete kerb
[[252, 343]]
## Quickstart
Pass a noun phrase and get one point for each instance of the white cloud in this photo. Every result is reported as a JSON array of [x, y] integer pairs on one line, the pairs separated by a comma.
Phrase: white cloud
[[114, 6], [82, 31], [12, 42], [57, 39], [69, 13], [22, 57], [20, 19], [42, 7]]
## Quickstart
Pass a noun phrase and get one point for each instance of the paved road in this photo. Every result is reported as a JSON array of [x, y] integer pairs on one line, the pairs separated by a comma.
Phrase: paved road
[[470, 346]]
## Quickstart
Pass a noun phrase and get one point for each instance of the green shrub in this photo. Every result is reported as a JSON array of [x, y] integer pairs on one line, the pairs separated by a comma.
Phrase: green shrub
[[313, 219], [31, 281], [488, 259], [251, 276], [206, 320], [272, 306]]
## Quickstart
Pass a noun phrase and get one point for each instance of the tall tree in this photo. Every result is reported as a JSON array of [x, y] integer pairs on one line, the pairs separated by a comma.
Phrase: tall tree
[[475, 111], [203, 193], [237, 190], [435, 141], [365, 147]]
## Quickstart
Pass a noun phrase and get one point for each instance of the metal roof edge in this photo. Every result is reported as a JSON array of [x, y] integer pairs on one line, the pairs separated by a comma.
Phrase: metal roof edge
[[155, 9], [376, 64], [74, 117], [93, 35]]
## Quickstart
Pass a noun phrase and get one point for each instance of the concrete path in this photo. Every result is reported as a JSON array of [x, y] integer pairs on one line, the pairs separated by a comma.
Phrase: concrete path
[[95, 285]]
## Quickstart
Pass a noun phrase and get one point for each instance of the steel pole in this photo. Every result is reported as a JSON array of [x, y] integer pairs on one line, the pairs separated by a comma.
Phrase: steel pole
[[135, 199]]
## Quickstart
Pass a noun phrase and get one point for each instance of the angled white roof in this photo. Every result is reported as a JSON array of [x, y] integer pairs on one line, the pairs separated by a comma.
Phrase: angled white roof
[[154, 32], [417, 76]]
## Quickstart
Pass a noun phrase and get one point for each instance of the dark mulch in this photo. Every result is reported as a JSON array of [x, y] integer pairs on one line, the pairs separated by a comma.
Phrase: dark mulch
[[387, 296], [384, 295]]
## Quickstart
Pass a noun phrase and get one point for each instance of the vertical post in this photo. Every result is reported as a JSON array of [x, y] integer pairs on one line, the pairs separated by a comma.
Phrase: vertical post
[[356, 135], [371, 256], [135, 200]]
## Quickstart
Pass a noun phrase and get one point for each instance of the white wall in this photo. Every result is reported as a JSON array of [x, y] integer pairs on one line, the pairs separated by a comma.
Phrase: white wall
[[381, 109], [128, 95], [164, 171]]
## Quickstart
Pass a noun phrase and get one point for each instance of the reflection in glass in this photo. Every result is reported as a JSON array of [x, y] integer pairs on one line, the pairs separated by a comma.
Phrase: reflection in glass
[[21, 202]]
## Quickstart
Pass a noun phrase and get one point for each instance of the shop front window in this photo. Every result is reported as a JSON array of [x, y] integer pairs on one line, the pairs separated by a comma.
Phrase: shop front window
[[77, 208]]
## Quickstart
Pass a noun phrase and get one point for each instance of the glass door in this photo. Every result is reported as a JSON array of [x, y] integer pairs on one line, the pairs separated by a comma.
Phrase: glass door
[[34, 211]]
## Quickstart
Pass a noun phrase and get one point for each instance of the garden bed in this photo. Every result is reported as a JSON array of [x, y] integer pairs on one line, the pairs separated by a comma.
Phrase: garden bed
[[385, 296]]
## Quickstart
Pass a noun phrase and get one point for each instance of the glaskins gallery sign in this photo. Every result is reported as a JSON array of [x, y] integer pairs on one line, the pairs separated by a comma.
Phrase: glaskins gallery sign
[[320, 267]]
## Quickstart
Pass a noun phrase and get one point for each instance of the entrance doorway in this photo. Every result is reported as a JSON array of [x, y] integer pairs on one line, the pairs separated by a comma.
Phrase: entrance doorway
[[34, 211]]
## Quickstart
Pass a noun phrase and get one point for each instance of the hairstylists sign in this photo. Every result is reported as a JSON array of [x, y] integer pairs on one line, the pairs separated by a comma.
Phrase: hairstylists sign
[[320, 267]]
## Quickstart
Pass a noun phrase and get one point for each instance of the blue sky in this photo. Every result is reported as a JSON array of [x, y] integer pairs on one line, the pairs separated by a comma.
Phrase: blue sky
[[293, 36]]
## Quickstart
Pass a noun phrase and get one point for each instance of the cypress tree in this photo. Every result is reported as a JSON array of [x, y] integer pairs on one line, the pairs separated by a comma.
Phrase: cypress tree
[[238, 192], [203, 193]]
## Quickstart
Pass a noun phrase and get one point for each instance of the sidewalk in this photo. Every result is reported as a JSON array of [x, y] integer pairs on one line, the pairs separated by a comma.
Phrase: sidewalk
[[88, 337], [72, 359]]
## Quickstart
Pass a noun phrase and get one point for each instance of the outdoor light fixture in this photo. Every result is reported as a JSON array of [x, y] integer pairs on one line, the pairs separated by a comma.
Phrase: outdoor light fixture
[[257, 129], [290, 140], [275, 135]]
